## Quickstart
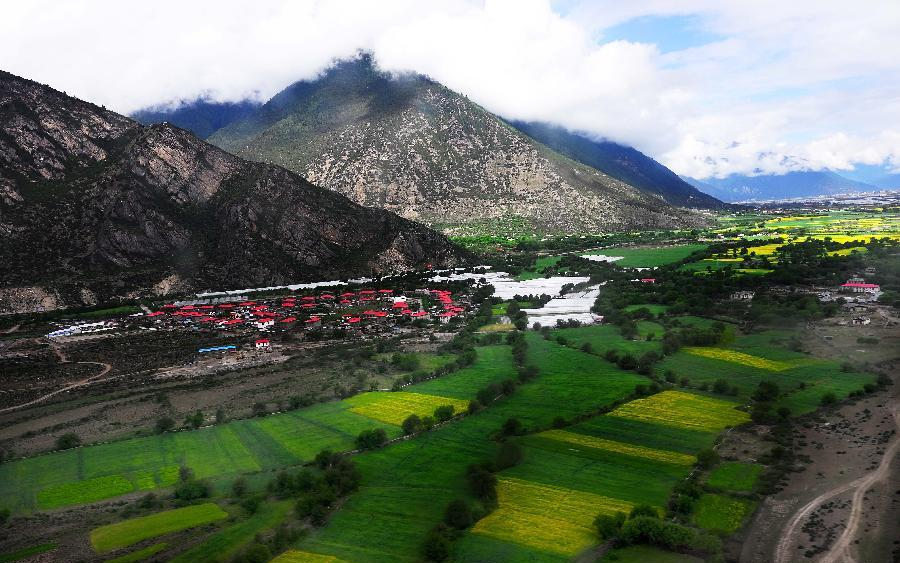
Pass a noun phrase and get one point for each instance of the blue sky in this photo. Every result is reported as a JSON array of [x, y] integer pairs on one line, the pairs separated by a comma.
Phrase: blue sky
[[707, 87]]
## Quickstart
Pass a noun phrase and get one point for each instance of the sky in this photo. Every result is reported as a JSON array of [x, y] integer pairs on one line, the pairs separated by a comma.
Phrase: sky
[[709, 88]]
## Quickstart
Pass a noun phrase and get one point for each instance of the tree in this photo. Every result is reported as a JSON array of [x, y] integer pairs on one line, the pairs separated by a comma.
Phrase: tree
[[164, 424], [412, 424], [765, 392], [239, 487], [436, 547], [259, 409], [608, 526], [706, 458], [511, 427], [828, 399], [721, 386], [643, 510], [510, 454], [458, 515], [220, 415], [255, 553], [482, 483], [370, 439], [68, 441], [444, 413], [195, 420], [4, 515]]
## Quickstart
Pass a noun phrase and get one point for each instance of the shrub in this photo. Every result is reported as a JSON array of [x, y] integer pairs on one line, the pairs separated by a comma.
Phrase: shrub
[[164, 424], [643, 510], [68, 441], [482, 483], [828, 399], [371, 439], [511, 427], [458, 515], [706, 458], [608, 527], [444, 413], [412, 424], [437, 546], [239, 487], [510, 454]]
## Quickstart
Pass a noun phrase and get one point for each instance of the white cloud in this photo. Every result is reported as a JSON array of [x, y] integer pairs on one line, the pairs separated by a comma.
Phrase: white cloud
[[804, 84]]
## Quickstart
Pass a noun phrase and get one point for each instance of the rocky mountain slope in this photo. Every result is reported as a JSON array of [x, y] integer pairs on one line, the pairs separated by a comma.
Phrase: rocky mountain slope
[[621, 162], [738, 187], [407, 144], [93, 206]]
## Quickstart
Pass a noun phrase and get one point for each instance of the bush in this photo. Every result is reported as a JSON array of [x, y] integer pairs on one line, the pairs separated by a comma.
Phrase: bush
[[444, 413], [643, 510], [68, 441], [239, 487], [482, 483], [437, 546], [192, 490], [259, 409], [164, 424], [707, 458], [828, 399], [371, 439], [608, 527], [512, 427], [510, 454], [458, 515], [412, 424], [254, 553]]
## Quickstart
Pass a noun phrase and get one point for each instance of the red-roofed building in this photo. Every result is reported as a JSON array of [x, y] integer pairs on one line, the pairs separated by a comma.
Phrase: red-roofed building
[[155, 314], [400, 305], [353, 320], [288, 319], [386, 291], [857, 287], [648, 280], [314, 321], [262, 344], [327, 296]]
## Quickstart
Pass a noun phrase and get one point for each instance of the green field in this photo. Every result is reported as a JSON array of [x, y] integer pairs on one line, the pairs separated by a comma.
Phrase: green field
[[654, 309], [102, 471], [604, 337], [129, 532], [540, 263], [649, 257], [722, 514], [408, 484], [603, 465], [763, 356], [222, 545], [140, 554], [735, 476], [646, 554], [23, 553]]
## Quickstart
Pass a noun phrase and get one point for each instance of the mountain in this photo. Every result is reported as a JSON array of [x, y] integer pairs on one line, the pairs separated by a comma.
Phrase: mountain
[[621, 162], [737, 187], [95, 206], [408, 144], [201, 117]]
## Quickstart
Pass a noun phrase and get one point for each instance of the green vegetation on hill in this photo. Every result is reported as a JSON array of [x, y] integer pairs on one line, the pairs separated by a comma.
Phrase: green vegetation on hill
[[649, 257]]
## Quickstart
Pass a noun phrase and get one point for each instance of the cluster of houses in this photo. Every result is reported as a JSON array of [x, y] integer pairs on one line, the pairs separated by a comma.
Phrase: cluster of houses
[[365, 309]]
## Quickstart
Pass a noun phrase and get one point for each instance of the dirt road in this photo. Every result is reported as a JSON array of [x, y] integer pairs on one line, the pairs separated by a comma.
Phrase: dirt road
[[840, 551], [64, 360]]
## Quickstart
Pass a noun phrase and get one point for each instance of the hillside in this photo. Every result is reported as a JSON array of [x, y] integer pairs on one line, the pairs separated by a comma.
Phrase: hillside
[[409, 145], [738, 187], [94, 205], [201, 117], [621, 162]]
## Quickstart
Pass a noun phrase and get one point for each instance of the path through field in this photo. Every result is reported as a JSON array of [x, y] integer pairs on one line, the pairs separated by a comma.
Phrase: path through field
[[63, 360], [840, 551]]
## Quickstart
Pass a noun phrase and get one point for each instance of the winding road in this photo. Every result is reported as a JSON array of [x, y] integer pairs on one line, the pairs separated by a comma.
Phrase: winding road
[[63, 360], [840, 550]]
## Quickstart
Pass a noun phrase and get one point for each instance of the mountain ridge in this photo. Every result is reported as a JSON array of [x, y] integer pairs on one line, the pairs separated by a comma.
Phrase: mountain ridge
[[94, 206], [738, 187]]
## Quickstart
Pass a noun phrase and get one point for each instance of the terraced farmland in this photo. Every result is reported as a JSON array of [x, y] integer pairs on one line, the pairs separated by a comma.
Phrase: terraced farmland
[[407, 485], [604, 337], [129, 532], [102, 471], [683, 410]]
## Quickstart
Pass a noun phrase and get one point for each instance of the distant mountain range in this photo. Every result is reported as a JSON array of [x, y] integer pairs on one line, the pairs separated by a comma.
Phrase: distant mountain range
[[408, 144], [738, 187], [201, 117], [94, 206]]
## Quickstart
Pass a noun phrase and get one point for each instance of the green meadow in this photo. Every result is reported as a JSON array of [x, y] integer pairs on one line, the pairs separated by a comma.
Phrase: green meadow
[[129, 532], [605, 337], [649, 257], [734, 476]]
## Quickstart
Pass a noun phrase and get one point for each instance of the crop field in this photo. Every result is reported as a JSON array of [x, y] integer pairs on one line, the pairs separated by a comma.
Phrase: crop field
[[625, 448], [407, 485], [497, 327], [535, 271], [649, 257], [618, 461], [546, 518], [722, 514], [762, 356], [295, 556], [685, 410], [27, 552], [128, 532], [735, 476], [646, 554], [604, 337], [654, 308], [395, 407], [93, 473], [223, 545], [140, 554]]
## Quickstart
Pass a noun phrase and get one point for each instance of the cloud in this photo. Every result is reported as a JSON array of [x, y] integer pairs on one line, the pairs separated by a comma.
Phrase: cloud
[[778, 86]]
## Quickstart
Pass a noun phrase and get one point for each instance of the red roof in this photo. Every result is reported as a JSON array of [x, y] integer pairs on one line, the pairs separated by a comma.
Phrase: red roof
[[400, 305], [348, 294], [187, 307], [313, 320], [155, 314], [169, 306], [308, 298], [288, 319], [648, 280], [419, 314], [366, 291], [247, 303], [353, 320], [226, 306], [345, 302], [327, 296], [207, 319], [863, 285], [262, 341], [385, 291]]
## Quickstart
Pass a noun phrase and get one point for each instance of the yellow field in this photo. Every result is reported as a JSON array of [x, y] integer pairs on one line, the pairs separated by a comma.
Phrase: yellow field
[[848, 251], [684, 410], [295, 556], [747, 359], [546, 518], [619, 447], [393, 408]]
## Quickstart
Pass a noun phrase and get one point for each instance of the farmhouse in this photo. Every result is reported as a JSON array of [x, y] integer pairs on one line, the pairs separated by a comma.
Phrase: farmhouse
[[860, 321], [861, 287], [263, 344], [742, 295]]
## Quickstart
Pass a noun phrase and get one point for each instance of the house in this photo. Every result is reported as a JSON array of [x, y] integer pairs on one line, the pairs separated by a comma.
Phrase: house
[[314, 321], [263, 344], [860, 321], [648, 280], [445, 317], [265, 323], [860, 287], [743, 295]]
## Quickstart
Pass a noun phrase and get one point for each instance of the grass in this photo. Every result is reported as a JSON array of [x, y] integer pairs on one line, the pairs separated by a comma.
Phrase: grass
[[223, 545], [654, 308], [407, 485], [604, 337], [295, 556], [129, 532], [27, 552], [650, 257], [140, 554], [546, 518], [81, 492], [497, 327], [586, 441], [735, 476], [684, 410], [536, 270], [395, 407], [109, 312], [646, 554], [762, 356], [722, 514]]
